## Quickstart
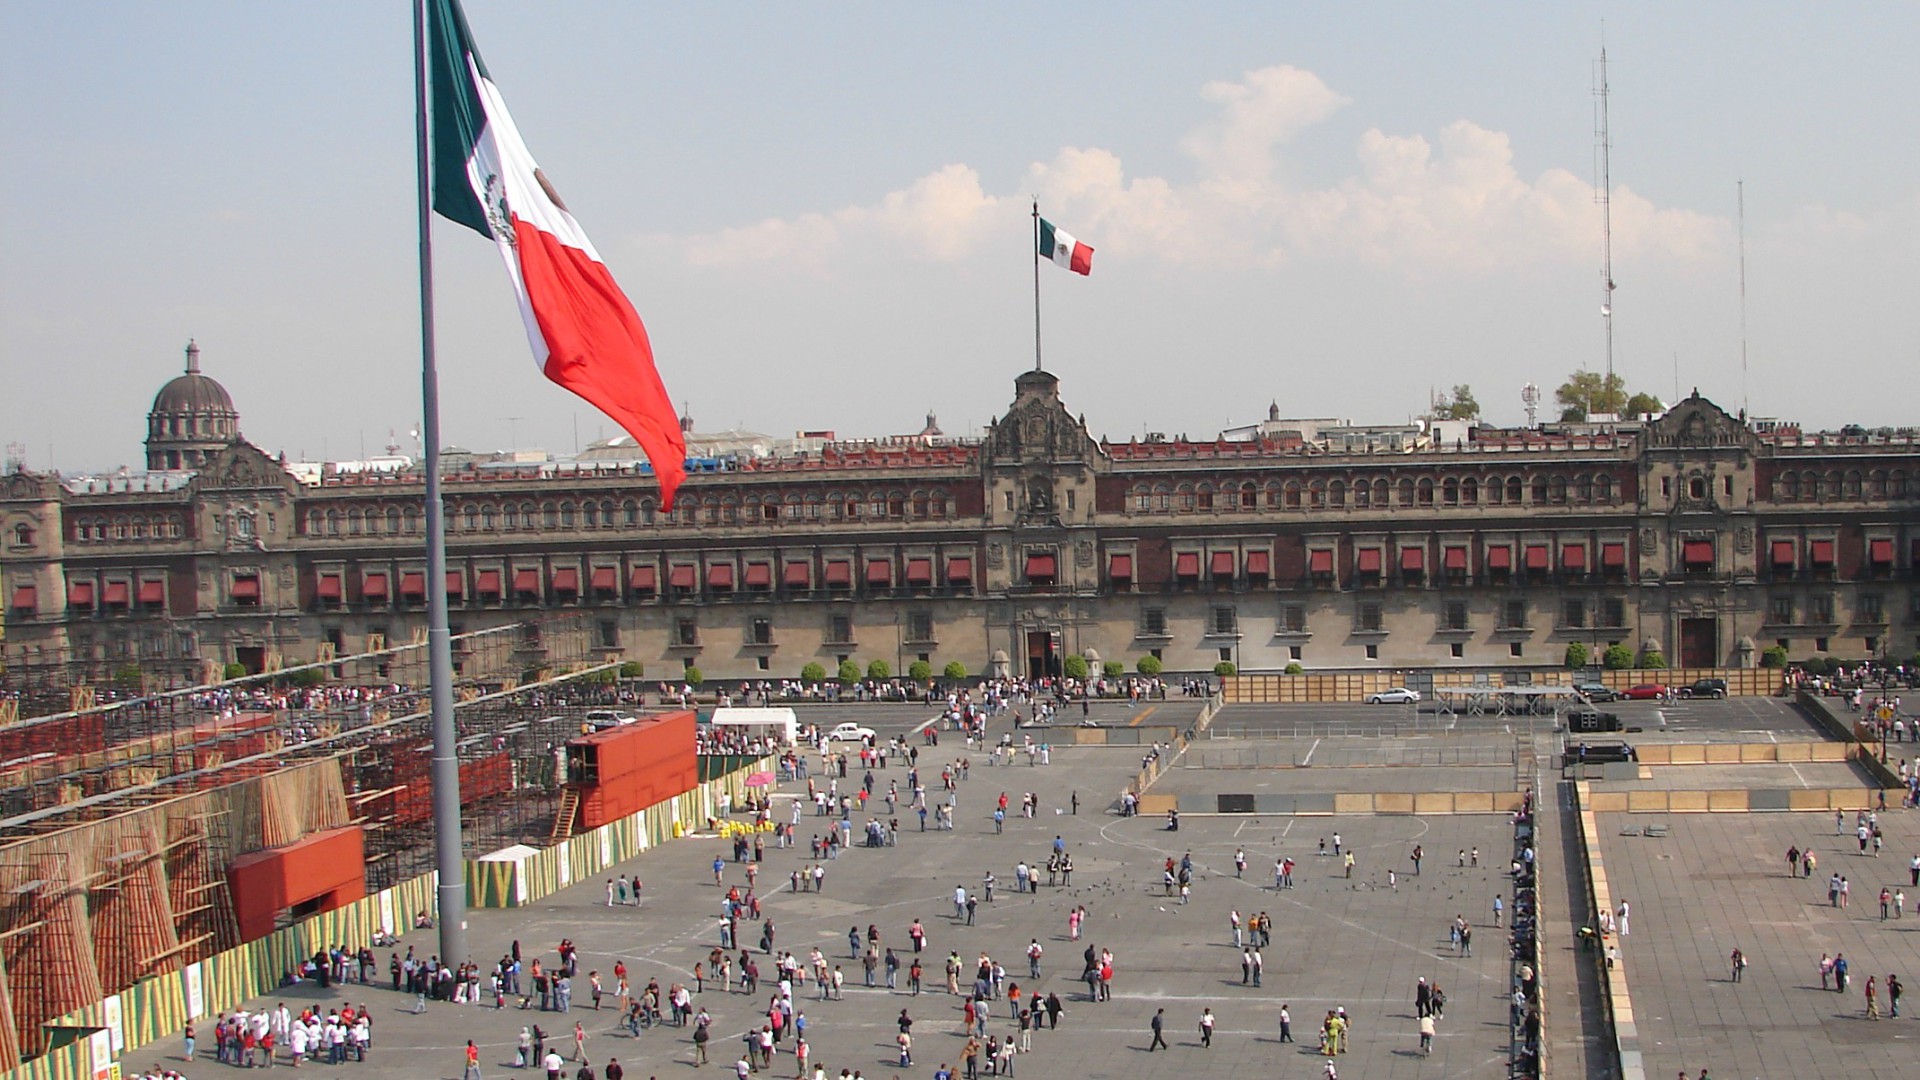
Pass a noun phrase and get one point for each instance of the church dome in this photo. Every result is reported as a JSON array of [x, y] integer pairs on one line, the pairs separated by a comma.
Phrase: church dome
[[192, 418]]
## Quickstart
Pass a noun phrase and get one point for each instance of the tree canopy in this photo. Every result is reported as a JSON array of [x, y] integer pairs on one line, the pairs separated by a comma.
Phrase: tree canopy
[[1588, 392], [1459, 405]]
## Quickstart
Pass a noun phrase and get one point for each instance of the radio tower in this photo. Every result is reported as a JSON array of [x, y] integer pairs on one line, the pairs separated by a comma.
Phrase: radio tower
[[1603, 194], [1530, 397]]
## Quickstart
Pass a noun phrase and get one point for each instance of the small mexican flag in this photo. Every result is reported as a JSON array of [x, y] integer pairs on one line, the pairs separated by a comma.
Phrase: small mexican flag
[[1064, 250]]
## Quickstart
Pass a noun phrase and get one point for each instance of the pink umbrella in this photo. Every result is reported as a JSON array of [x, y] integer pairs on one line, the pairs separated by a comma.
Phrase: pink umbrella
[[760, 779]]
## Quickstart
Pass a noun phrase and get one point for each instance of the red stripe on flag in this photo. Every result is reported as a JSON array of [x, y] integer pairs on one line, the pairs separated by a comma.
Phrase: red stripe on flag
[[598, 348], [1081, 261]]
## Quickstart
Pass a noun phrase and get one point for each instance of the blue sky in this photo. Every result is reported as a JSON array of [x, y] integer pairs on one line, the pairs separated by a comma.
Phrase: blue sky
[[821, 211]]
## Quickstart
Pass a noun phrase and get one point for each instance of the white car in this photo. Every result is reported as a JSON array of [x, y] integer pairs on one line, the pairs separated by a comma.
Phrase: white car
[[850, 733], [606, 718], [1399, 695]]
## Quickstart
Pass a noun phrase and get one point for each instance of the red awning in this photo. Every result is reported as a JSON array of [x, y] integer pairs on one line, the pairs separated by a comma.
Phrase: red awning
[[153, 592], [414, 585], [1454, 558], [329, 586], [26, 598], [1259, 563], [720, 576], [880, 572], [839, 573], [1120, 567], [682, 576], [919, 571], [487, 583], [1413, 558], [605, 579], [1369, 560], [1783, 553], [797, 575], [1221, 564], [80, 594], [526, 581], [1041, 568], [1880, 552], [1186, 564], [960, 570], [643, 579], [1613, 556], [759, 575], [1499, 557], [1538, 557], [1573, 557], [1822, 552], [456, 583], [566, 579], [248, 587], [1697, 552], [1320, 561], [117, 594], [372, 586]]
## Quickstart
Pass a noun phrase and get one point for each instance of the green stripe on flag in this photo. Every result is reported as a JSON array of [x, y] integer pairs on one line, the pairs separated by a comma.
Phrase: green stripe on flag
[[458, 116], [1046, 239]]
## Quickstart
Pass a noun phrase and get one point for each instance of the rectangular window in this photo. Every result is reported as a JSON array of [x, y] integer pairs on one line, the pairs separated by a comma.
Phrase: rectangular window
[[1070, 495], [1868, 608], [1780, 610], [1616, 612], [1293, 652], [920, 626], [1573, 614], [1516, 614], [762, 632], [1369, 616], [1373, 652], [840, 629], [1515, 648], [1458, 650], [1226, 654], [1819, 644], [1821, 609], [1456, 615], [1153, 622], [764, 663], [686, 632], [1225, 620], [609, 634], [1293, 618]]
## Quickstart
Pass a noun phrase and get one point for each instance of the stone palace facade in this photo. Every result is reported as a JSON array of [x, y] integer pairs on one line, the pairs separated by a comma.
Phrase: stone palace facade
[[1694, 533]]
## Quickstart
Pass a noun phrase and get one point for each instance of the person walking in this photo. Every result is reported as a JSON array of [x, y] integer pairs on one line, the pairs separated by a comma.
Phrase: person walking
[[1158, 1023], [1286, 1024], [1206, 1026], [472, 1071], [1426, 1035], [1873, 999], [1738, 961]]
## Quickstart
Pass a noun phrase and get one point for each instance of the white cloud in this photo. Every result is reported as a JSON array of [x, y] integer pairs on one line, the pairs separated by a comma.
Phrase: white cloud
[[1453, 204]]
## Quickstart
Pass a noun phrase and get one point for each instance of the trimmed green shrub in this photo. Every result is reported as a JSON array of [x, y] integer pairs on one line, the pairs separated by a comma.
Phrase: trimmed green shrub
[[1074, 667], [919, 671], [633, 669], [1576, 655], [849, 671], [879, 669], [1113, 669], [1774, 657], [1225, 668], [1294, 668], [1617, 658], [234, 671], [1653, 659], [954, 671], [693, 677], [813, 672], [1148, 665]]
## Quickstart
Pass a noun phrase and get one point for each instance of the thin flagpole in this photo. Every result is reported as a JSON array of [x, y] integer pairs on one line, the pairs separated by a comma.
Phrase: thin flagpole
[[448, 856], [1036, 286]]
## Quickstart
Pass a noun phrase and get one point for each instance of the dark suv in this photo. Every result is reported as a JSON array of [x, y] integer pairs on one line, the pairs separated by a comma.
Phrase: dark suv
[[1708, 688]]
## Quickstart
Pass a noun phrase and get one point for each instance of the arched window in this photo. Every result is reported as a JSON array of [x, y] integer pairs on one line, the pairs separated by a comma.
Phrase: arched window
[[1292, 494], [566, 515], [1877, 483], [1405, 491], [1249, 496], [940, 500], [1470, 491], [487, 517], [590, 515], [1362, 494], [551, 515], [1603, 489], [510, 515], [921, 506], [646, 511], [1317, 494], [393, 520], [354, 523], [333, 523], [1516, 491], [630, 512], [1897, 484], [313, 523], [1583, 488], [1380, 490], [813, 506], [471, 514], [1337, 494], [410, 520], [1540, 490], [1162, 498], [1852, 489], [1273, 495], [1204, 497], [1833, 484], [1450, 492], [1424, 491], [1185, 501], [1557, 489]]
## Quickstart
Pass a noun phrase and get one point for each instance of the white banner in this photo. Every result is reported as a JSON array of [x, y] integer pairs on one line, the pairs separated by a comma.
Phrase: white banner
[[112, 1021], [191, 977], [386, 910]]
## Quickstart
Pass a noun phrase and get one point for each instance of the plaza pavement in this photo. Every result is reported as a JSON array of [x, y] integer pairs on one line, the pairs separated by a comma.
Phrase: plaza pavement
[[1337, 942]]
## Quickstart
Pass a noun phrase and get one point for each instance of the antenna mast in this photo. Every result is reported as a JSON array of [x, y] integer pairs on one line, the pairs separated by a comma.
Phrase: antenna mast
[[1603, 194], [1740, 188]]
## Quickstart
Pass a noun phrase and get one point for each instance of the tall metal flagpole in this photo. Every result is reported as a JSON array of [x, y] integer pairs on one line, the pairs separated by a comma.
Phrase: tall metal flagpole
[[448, 856], [1036, 286]]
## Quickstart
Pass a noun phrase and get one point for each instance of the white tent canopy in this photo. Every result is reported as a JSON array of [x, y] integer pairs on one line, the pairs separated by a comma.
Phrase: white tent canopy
[[783, 719]]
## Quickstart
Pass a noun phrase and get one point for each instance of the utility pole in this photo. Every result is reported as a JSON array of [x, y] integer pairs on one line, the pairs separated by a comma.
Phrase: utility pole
[[1603, 194]]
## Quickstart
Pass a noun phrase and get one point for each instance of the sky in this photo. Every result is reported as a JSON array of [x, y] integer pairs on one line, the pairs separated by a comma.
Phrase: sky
[[823, 212]]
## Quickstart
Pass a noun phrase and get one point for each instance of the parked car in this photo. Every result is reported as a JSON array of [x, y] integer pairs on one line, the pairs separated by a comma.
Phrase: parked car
[[1707, 688], [850, 733], [1595, 692], [1644, 692], [1399, 695], [602, 719]]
